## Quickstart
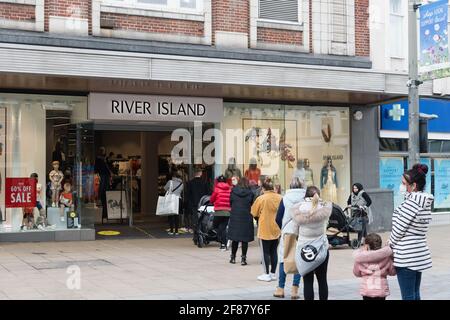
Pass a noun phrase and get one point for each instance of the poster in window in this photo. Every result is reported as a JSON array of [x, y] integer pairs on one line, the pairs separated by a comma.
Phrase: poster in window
[[117, 204], [441, 184], [391, 171], [2, 162]]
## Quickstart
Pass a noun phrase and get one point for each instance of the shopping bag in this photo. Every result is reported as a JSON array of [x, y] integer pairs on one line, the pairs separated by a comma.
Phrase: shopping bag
[[289, 245], [168, 204]]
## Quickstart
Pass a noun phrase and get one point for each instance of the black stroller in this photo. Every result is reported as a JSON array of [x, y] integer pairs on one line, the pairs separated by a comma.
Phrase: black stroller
[[204, 231], [342, 223]]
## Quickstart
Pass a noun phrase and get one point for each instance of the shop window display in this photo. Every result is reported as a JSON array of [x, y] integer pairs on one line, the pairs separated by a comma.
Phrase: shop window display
[[283, 141], [38, 139]]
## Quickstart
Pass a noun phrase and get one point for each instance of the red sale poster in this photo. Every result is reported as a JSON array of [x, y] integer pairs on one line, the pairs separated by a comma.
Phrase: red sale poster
[[20, 192]]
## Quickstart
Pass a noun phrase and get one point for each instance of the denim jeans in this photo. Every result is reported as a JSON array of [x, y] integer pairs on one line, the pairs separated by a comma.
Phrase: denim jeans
[[282, 278], [409, 282]]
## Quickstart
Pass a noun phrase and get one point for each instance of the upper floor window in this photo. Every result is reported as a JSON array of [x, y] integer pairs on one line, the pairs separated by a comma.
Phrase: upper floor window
[[396, 34], [169, 5], [280, 10], [338, 21]]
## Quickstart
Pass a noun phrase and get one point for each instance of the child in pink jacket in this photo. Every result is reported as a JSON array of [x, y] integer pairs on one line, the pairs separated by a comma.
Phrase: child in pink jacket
[[373, 264]]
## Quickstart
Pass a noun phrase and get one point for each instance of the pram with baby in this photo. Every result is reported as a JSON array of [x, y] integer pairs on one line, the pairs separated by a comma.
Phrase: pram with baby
[[204, 231], [343, 223]]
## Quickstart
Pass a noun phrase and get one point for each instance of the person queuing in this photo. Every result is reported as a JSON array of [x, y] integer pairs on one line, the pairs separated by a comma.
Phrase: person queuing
[[408, 238], [294, 195], [265, 210], [240, 226], [360, 201], [221, 201], [175, 185], [196, 188], [312, 216]]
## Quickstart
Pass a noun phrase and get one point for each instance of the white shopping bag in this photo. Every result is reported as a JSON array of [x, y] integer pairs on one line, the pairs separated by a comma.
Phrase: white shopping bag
[[169, 204]]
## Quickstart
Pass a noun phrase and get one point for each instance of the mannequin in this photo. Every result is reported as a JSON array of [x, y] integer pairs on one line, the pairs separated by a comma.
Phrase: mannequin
[[328, 181], [300, 171], [309, 178], [56, 176], [232, 170], [65, 200], [253, 172]]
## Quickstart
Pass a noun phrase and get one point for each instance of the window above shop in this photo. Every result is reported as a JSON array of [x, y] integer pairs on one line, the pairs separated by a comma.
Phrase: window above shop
[[192, 6], [282, 11]]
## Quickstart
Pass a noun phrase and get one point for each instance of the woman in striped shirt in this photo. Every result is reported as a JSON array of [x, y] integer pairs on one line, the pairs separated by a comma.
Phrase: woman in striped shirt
[[408, 240]]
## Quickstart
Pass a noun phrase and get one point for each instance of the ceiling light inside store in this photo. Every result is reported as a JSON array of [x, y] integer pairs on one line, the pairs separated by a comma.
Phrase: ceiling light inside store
[[57, 106]]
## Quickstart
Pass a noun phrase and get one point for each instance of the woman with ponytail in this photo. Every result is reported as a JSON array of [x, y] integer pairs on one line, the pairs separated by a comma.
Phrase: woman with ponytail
[[408, 238], [312, 246]]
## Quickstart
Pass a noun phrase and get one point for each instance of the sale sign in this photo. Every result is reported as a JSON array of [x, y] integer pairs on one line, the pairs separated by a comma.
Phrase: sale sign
[[20, 192]]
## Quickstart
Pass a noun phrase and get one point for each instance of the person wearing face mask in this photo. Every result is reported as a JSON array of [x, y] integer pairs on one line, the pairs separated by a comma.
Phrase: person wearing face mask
[[359, 202], [408, 238]]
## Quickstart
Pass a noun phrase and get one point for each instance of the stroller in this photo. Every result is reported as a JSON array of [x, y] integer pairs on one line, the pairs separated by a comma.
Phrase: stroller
[[204, 232], [342, 223]]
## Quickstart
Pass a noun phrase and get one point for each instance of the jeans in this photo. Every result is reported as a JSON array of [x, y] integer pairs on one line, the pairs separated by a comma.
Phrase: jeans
[[282, 279], [321, 274], [174, 222], [409, 281]]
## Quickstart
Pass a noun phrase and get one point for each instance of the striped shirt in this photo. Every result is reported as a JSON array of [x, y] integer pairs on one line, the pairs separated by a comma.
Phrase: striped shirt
[[410, 223]]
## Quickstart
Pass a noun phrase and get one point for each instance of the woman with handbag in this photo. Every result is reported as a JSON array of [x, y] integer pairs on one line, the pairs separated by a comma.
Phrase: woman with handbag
[[289, 228], [312, 246], [175, 186]]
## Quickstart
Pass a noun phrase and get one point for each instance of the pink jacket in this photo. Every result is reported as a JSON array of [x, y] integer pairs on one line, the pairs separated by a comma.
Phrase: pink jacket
[[374, 267]]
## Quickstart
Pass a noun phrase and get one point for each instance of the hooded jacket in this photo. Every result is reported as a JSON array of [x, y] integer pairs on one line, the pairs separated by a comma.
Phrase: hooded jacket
[[240, 226], [288, 225], [221, 197], [408, 238], [311, 226], [374, 267]]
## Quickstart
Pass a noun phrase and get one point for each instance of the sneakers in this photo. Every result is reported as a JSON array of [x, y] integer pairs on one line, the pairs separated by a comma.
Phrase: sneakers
[[265, 277], [273, 276], [223, 247]]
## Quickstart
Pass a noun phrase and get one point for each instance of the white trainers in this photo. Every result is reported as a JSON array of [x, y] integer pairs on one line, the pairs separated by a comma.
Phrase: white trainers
[[265, 277], [273, 276]]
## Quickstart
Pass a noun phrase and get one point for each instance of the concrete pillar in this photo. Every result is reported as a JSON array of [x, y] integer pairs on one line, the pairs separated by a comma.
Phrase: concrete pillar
[[149, 152]]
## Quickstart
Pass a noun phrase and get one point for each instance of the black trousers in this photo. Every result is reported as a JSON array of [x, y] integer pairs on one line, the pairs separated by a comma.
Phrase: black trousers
[[220, 224], [363, 232], [321, 275], [270, 255], [374, 298], [174, 222], [235, 245]]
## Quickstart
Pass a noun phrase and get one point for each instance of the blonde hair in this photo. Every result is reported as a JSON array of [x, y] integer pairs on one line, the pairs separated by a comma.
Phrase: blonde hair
[[315, 203]]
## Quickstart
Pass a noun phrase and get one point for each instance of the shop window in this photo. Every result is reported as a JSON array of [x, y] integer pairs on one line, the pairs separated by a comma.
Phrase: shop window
[[279, 10], [40, 139], [311, 143]]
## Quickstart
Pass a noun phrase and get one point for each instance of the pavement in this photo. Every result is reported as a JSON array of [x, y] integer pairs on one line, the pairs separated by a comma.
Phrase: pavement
[[173, 268]]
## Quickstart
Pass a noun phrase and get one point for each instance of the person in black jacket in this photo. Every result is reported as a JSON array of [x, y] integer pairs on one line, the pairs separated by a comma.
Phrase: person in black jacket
[[195, 190], [240, 226], [359, 201], [101, 168]]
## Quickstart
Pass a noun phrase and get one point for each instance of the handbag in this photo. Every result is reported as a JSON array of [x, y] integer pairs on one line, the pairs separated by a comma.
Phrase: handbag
[[311, 254], [169, 203], [289, 246]]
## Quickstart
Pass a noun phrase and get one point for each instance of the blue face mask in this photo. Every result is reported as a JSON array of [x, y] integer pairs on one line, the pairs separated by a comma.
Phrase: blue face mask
[[403, 190]]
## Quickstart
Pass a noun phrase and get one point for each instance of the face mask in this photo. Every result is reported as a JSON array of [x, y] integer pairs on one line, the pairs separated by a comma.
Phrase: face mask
[[403, 189], [234, 182]]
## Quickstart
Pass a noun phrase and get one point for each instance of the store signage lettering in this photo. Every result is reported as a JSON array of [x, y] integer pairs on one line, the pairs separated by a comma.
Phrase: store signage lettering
[[163, 108], [20, 192], [103, 106], [333, 157]]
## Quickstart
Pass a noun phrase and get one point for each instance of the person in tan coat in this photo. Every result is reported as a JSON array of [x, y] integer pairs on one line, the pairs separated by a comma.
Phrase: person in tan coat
[[264, 209]]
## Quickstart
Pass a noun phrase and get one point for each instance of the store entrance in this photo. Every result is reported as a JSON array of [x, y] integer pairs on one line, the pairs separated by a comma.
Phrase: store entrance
[[140, 165]]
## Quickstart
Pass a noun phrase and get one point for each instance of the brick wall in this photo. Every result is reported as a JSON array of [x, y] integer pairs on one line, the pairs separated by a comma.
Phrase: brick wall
[[19, 12], [277, 36], [362, 32], [157, 25], [230, 16], [68, 8]]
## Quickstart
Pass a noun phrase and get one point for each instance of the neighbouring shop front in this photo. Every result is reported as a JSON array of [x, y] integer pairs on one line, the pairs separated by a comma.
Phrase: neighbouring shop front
[[145, 138], [394, 148]]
